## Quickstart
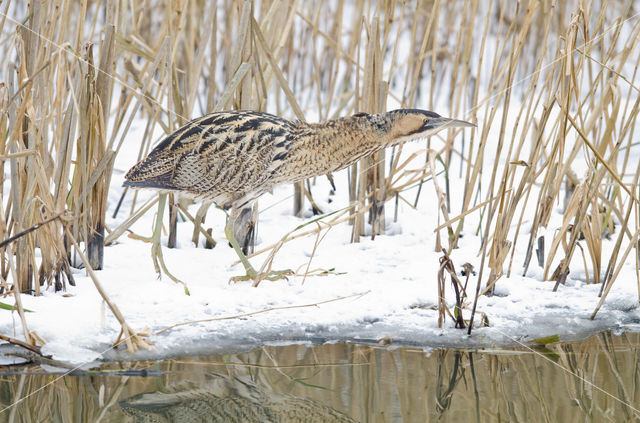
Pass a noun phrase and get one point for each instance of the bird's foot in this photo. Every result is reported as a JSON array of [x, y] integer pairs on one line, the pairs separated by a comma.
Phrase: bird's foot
[[258, 277]]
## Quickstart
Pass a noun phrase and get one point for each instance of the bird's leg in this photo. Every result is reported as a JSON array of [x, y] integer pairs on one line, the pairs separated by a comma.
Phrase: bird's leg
[[251, 272], [231, 237]]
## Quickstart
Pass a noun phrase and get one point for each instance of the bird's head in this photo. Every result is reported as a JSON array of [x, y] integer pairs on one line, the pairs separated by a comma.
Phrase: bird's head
[[413, 124]]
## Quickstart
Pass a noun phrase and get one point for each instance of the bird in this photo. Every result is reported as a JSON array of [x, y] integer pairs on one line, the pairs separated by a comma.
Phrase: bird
[[231, 158]]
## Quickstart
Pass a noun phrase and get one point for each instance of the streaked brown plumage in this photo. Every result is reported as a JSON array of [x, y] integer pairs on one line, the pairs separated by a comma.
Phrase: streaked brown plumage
[[231, 158]]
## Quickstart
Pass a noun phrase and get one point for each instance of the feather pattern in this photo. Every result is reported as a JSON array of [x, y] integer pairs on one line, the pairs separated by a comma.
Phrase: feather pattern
[[233, 157]]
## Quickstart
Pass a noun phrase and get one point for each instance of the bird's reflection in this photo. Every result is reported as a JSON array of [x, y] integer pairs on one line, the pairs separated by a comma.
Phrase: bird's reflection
[[227, 399]]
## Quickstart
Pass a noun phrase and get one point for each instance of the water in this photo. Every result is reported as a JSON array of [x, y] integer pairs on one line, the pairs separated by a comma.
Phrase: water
[[593, 380]]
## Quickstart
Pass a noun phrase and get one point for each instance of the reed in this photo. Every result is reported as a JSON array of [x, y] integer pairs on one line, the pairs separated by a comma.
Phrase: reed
[[548, 83]]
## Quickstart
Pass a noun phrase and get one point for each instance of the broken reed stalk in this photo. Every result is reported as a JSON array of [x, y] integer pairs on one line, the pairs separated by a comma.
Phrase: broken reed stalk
[[253, 313], [131, 338], [446, 265], [22, 344]]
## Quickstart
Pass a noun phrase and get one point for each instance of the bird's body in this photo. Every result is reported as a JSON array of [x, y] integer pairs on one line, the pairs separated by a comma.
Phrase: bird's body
[[231, 158], [226, 157]]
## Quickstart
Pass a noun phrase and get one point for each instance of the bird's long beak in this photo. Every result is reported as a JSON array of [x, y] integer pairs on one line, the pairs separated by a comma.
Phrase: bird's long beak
[[443, 122]]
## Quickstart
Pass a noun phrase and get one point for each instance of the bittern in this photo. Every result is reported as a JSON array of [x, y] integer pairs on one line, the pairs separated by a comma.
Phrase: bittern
[[232, 158]]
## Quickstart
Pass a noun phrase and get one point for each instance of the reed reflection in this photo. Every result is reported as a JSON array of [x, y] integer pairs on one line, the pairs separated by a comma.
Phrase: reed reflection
[[593, 380]]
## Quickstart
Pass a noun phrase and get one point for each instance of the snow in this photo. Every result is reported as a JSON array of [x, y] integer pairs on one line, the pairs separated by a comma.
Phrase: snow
[[385, 288], [389, 287]]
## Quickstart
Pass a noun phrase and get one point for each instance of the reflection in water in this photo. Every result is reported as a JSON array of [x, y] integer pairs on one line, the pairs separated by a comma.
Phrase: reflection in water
[[593, 380], [225, 399]]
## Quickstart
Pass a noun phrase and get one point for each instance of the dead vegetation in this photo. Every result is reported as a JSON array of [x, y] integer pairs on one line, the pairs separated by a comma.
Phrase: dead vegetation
[[548, 83]]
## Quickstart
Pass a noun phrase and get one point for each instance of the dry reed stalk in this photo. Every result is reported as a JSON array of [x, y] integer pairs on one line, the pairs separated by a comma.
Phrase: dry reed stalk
[[198, 220], [4, 129], [89, 190], [608, 275], [133, 340], [371, 173], [446, 265], [510, 203], [56, 97], [168, 328], [595, 177], [298, 197], [333, 58], [558, 172], [442, 204], [500, 246], [29, 338], [289, 236], [29, 111], [396, 182]]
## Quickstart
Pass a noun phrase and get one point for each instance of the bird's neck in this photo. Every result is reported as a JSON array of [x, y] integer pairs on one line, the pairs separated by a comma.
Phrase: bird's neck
[[336, 144]]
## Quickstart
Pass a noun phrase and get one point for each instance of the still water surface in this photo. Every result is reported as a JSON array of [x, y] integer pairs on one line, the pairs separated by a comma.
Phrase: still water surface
[[595, 380]]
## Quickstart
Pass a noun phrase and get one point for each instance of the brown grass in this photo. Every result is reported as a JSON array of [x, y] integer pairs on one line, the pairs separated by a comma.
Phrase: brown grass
[[547, 83]]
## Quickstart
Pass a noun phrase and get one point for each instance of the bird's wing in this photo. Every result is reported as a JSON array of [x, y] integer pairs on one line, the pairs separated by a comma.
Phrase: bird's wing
[[222, 157]]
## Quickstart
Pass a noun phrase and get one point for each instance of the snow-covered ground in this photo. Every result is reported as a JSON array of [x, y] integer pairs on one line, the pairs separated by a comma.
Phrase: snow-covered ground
[[390, 285], [386, 288]]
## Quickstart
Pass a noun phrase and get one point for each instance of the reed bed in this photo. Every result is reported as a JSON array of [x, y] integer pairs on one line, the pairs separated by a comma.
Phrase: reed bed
[[548, 83]]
